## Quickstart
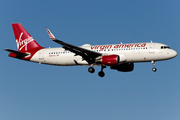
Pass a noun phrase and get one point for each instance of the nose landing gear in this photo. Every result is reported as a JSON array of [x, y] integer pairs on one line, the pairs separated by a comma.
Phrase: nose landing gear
[[153, 64], [154, 69]]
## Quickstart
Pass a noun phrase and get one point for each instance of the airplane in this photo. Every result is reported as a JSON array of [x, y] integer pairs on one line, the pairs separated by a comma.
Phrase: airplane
[[120, 57]]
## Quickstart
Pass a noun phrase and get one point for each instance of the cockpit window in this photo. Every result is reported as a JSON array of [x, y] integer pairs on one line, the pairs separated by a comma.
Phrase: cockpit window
[[165, 47]]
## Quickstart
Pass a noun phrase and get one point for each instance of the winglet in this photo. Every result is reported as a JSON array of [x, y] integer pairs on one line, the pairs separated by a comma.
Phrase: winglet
[[50, 34]]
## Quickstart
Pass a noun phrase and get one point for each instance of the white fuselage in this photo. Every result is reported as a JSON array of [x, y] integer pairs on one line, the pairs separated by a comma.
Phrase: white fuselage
[[129, 53]]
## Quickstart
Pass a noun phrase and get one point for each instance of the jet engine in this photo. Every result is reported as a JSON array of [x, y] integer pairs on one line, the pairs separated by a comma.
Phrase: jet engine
[[126, 67], [110, 59]]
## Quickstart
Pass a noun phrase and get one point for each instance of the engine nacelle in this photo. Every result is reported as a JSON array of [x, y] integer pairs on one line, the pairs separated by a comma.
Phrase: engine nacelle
[[110, 59], [126, 67]]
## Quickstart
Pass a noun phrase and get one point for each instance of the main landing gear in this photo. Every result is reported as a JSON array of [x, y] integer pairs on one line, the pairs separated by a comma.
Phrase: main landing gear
[[101, 73], [153, 64], [91, 69]]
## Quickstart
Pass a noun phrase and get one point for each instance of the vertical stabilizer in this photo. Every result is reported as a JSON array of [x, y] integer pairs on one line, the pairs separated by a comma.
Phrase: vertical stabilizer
[[24, 40]]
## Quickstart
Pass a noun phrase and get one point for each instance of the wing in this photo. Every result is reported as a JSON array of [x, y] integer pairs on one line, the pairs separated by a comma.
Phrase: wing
[[87, 55]]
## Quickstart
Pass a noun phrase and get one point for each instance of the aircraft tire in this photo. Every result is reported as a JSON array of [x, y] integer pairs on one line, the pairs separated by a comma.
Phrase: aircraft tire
[[154, 69], [101, 74], [91, 69]]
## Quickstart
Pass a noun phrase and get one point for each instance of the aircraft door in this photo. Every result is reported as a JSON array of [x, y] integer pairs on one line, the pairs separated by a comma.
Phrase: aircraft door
[[151, 48], [41, 55]]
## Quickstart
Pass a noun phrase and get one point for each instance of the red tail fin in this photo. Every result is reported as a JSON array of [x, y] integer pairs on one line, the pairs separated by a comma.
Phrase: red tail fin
[[24, 40]]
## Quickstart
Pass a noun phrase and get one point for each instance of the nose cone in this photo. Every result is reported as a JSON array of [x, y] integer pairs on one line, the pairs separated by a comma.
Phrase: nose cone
[[173, 53]]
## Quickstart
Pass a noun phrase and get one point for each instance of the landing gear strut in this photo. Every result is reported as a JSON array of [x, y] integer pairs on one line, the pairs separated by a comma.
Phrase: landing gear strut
[[153, 64], [101, 73]]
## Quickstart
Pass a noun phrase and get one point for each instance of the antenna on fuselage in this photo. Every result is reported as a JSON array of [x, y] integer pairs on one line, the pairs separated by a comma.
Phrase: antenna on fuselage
[[151, 41]]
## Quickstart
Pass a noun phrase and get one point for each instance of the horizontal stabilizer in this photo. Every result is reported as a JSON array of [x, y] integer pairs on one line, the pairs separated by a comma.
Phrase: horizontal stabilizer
[[16, 52]]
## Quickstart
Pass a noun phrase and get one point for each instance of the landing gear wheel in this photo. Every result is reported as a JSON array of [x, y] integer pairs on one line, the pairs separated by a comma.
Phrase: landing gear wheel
[[101, 74], [153, 64], [154, 69], [91, 69]]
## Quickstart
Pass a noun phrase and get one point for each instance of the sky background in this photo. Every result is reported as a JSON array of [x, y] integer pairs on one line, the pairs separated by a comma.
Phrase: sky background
[[31, 91]]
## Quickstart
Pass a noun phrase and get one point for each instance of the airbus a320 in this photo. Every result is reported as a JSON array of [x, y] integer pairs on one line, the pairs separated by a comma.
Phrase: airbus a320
[[120, 57]]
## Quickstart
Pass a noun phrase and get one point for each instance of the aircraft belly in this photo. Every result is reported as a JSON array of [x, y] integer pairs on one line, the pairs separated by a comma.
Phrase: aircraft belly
[[143, 56], [136, 57], [67, 61], [62, 60], [57, 59]]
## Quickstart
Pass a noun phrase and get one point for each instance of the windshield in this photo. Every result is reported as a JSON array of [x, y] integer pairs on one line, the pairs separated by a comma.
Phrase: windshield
[[165, 47]]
